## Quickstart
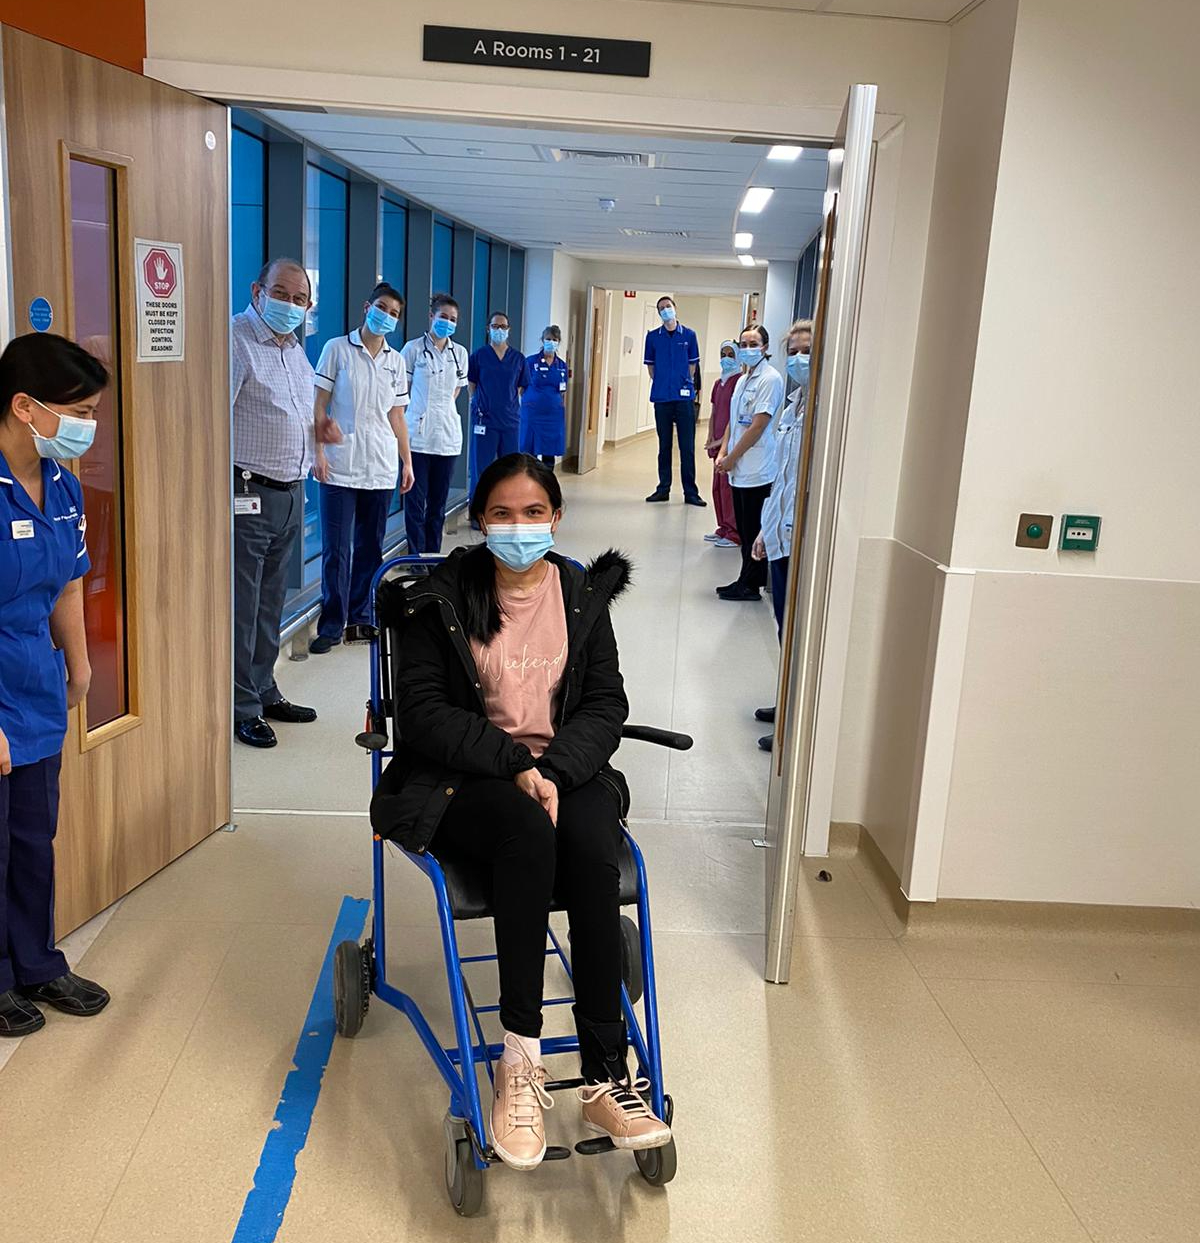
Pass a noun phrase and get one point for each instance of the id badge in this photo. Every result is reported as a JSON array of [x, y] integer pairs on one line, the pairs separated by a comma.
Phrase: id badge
[[22, 528], [246, 504], [480, 430], [685, 392], [562, 388]]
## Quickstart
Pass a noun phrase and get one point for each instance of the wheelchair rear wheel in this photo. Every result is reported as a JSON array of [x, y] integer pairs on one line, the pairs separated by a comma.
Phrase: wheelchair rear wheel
[[351, 986], [631, 960]]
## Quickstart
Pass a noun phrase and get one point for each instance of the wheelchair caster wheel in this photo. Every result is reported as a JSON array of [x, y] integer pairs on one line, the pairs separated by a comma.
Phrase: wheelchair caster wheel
[[351, 986], [464, 1180], [631, 960], [658, 1165]]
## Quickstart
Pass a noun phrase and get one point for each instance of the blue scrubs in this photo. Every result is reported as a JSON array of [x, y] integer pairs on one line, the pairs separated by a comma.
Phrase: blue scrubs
[[543, 410], [41, 551], [495, 405]]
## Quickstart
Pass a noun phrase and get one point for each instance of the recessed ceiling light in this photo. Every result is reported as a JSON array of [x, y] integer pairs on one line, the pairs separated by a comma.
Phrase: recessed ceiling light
[[747, 261], [743, 241], [787, 154], [755, 199], [474, 150]]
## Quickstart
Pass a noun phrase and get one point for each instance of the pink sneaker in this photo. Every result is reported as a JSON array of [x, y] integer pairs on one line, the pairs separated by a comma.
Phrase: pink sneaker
[[518, 1130], [619, 1111]]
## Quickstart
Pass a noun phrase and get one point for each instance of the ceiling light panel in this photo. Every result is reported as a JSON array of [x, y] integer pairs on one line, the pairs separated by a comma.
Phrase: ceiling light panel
[[785, 154], [755, 199], [747, 261], [743, 241]]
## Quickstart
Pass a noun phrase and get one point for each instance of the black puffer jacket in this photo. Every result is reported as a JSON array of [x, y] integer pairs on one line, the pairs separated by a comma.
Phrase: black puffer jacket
[[442, 733]]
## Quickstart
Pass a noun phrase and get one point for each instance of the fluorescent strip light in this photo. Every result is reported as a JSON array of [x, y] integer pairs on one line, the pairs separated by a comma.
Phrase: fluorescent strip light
[[756, 198], [787, 154], [743, 241], [747, 261]]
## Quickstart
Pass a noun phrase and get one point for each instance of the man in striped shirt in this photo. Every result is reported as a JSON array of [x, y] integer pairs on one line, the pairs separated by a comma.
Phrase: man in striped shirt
[[274, 442]]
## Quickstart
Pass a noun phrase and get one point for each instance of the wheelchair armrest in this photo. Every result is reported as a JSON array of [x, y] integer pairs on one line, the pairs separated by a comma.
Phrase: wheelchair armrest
[[660, 737]]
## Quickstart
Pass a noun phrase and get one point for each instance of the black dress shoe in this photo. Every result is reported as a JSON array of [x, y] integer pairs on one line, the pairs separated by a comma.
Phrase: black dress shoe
[[19, 1016], [255, 733], [70, 993], [321, 644], [767, 743], [656, 497], [740, 594], [291, 714], [698, 501], [359, 634], [766, 715]]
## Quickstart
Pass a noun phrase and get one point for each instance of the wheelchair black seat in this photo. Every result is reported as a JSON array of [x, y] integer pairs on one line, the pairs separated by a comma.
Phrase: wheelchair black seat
[[469, 886]]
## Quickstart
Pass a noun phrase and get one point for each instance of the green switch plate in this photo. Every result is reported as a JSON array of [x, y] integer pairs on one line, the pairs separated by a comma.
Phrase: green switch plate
[[1079, 533]]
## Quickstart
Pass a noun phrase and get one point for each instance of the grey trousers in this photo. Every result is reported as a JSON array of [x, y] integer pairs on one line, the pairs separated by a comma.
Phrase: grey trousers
[[262, 551]]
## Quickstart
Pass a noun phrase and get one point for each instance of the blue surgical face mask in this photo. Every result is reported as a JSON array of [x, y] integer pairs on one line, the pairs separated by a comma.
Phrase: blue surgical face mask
[[498, 336], [729, 365], [520, 544], [750, 357], [380, 322], [798, 367], [282, 317], [443, 328], [550, 346], [668, 314], [73, 438]]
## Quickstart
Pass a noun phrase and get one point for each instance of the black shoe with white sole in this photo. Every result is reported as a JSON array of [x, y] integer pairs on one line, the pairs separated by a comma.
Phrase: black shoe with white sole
[[19, 1016], [765, 715], [71, 994]]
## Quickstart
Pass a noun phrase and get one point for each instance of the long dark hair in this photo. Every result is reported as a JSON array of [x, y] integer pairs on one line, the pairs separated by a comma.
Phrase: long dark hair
[[48, 368], [478, 573]]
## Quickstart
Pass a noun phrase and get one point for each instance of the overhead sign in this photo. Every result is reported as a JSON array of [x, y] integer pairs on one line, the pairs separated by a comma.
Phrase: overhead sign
[[41, 315], [517, 49], [159, 300]]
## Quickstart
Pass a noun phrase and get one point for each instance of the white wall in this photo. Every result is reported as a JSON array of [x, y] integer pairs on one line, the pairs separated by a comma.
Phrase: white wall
[[880, 756], [778, 305]]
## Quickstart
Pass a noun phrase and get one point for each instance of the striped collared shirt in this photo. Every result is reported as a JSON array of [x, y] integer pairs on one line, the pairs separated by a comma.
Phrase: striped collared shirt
[[272, 387]]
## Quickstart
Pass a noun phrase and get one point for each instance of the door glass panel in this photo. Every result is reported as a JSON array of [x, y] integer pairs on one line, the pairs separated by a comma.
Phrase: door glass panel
[[97, 329], [443, 257], [483, 263]]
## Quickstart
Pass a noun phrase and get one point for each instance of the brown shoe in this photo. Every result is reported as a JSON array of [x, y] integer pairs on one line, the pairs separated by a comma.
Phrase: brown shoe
[[619, 1111], [518, 1131]]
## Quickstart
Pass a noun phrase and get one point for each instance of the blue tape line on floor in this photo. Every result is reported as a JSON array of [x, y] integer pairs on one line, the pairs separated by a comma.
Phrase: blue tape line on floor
[[262, 1214]]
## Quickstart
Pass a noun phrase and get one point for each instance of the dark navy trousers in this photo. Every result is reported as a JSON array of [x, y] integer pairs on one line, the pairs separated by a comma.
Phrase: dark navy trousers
[[676, 419], [425, 505], [28, 822], [487, 446], [353, 521]]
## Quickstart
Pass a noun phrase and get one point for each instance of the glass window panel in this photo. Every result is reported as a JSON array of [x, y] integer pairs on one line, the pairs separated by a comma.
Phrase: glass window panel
[[326, 256], [481, 308], [443, 257], [247, 215], [97, 328]]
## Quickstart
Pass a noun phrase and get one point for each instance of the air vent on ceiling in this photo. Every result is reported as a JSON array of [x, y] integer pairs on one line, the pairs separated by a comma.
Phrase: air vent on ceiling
[[676, 233], [587, 155]]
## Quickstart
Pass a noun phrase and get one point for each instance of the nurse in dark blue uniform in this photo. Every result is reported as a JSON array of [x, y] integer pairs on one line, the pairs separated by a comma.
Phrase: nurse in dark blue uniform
[[49, 388], [543, 407], [497, 376]]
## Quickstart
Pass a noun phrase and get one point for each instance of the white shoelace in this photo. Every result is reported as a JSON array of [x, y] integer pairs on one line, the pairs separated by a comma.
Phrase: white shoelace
[[626, 1096], [525, 1095]]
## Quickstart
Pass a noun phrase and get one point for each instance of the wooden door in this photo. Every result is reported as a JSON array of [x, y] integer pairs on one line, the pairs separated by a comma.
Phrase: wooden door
[[99, 156], [594, 372]]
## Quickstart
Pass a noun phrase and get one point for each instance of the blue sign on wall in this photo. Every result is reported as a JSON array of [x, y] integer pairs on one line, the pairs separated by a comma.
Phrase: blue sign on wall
[[41, 314]]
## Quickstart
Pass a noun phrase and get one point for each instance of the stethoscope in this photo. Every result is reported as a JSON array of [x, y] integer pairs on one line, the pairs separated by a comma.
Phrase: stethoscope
[[437, 357]]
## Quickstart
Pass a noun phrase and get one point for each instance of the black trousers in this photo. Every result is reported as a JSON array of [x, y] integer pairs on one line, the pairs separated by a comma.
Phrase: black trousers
[[747, 513], [491, 821]]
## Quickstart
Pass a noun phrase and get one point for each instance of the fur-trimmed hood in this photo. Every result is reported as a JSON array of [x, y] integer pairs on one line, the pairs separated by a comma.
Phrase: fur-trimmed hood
[[611, 572]]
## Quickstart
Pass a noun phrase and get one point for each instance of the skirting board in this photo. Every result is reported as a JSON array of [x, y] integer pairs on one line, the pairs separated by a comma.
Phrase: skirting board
[[986, 915]]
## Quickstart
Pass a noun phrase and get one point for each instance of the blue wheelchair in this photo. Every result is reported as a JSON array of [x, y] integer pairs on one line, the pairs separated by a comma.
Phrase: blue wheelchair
[[360, 971]]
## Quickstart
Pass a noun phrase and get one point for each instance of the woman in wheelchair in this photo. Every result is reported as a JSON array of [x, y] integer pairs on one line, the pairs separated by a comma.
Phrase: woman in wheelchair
[[509, 705]]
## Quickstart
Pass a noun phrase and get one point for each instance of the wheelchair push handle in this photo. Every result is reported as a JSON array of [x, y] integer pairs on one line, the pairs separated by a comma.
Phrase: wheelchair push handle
[[660, 737]]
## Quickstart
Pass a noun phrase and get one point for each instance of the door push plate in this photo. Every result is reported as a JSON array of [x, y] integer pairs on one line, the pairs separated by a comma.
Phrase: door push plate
[[1033, 530]]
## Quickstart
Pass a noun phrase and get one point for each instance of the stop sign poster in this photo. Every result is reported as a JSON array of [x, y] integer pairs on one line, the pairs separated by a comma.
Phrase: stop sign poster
[[159, 277]]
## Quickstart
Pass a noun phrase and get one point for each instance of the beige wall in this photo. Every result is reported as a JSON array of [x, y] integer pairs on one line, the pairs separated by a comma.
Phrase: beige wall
[[1074, 774]]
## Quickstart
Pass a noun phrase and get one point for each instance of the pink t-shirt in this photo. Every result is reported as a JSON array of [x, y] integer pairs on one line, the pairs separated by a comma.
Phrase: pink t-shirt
[[521, 667]]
